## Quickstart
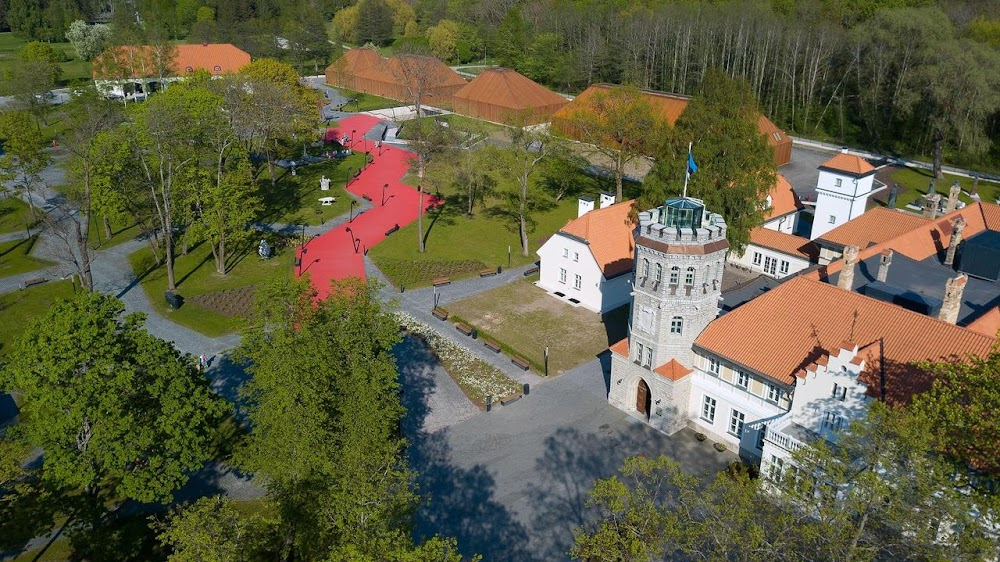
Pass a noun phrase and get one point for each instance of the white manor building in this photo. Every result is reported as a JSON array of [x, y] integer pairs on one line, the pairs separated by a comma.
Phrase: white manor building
[[588, 262], [801, 360], [132, 72]]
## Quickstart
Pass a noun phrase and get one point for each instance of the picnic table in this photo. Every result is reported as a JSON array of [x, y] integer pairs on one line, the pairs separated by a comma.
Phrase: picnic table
[[327, 200]]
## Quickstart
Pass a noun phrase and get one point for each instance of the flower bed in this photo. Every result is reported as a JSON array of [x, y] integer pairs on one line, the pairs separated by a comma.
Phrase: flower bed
[[475, 377]]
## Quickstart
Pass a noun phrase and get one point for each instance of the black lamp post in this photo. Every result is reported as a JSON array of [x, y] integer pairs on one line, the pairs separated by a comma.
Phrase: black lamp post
[[302, 258], [383, 194], [354, 241], [349, 176], [353, 202], [353, 131]]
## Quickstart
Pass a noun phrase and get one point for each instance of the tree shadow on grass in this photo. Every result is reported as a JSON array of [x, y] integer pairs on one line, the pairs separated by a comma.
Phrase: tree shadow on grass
[[457, 501]]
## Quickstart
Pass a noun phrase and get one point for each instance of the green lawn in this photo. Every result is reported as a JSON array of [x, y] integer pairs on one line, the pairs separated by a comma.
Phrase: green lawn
[[474, 126], [75, 71], [458, 246], [16, 258], [213, 304], [526, 320], [120, 233], [295, 200], [367, 102], [20, 307], [913, 185], [15, 215]]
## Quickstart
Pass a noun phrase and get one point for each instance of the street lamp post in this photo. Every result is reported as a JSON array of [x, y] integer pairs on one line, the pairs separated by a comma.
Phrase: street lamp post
[[354, 241], [353, 132], [302, 258], [349, 176], [383, 193]]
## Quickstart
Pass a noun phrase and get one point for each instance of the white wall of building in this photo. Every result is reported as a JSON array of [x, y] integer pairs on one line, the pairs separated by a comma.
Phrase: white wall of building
[[786, 223], [839, 198], [769, 262], [563, 260]]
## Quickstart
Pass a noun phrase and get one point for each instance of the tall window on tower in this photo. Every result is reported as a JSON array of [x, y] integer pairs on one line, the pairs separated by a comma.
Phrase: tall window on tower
[[645, 268], [675, 275], [689, 276], [676, 325], [659, 273]]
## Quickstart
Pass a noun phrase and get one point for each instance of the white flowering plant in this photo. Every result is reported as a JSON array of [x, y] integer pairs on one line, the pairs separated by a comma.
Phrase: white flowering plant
[[477, 378]]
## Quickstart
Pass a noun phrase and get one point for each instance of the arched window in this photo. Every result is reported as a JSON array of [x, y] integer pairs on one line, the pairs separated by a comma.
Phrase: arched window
[[188, 69], [217, 68], [645, 267], [689, 276], [659, 273], [675, 275], [676, 325]]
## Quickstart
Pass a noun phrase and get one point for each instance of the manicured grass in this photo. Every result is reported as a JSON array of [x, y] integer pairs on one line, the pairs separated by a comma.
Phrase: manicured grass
[[20, 307], [526, 320], [196, 277], [74, 69], [15, 257], [913, 185], [15, 215], [120, 233], [476, 127], [367, 102], [458, 246], [295, 200]]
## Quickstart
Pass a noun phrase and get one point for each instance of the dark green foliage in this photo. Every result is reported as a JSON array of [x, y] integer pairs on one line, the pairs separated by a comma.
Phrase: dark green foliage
[[374, 22], [735, 165]]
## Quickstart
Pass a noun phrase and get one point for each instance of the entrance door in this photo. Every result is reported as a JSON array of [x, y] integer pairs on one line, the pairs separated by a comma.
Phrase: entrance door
[[643, 399]]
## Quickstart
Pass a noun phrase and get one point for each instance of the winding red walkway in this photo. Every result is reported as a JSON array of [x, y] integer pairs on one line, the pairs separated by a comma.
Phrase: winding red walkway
[[332, 254]]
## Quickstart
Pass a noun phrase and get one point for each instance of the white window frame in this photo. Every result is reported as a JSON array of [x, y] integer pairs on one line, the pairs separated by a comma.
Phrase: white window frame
[[833, 421], [776, 469], [742, 379], [576, 256], [562, 275], [638, 356], [645, 267], [649, 357], [708, 407], [773, 393], [761, 435], [659, 273], [833, 219], [714, 366], [677, 325], [565, 252], [783, 268], [839, 392], [770, 265], [675, 275], [838, 182], [689, 277], [577, 281], [737, 421], [756, 258]]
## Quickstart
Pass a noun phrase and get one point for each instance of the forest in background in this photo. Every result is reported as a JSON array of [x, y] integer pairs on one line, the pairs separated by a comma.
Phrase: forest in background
[[908, 77]]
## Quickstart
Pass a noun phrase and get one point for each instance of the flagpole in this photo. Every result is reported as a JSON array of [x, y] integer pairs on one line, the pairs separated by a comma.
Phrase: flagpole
[[687, 170]]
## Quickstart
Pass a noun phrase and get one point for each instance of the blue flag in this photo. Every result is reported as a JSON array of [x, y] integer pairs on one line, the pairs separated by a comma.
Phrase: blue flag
[[692, 167]]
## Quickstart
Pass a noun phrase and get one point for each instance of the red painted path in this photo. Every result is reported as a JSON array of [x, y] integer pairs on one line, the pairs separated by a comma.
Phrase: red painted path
[[338, 253]]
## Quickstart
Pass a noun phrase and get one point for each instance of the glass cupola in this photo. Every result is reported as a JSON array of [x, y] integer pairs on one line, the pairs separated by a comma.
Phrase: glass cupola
[[682, 212]]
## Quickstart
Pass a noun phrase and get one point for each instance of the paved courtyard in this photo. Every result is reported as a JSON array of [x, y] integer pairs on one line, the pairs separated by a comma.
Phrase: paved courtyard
[[511, 484]]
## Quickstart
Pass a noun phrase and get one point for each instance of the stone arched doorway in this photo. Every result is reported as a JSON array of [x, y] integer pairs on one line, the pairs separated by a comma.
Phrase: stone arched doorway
[[643, 399]]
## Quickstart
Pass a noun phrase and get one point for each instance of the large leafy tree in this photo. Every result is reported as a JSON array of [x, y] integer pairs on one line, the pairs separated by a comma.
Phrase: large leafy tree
[[324, 406], [736, 167], [115, 409], [23, 158], [214, 530], [618, 124], [958, 409]]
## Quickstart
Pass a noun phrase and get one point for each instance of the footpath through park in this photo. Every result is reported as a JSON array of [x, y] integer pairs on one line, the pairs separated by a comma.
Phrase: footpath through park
[[339, 253]]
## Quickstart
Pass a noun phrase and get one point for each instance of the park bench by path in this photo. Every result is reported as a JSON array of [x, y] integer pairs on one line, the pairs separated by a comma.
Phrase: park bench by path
[[32, 282], [510, 400], [440, 313], [441, 281], [491, 345], [488, 272], [464, 328], [394, 228], [520, 362], [531, 271], [367, 197]]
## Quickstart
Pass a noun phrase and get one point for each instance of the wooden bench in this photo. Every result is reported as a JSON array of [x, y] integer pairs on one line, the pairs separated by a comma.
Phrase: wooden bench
[[520, 362], [510, 400], [464, 328], [32, 282], [488, 272], [394, 228], [491, 345], [440, 313], [367, 197], [531, 271], [441, 281]]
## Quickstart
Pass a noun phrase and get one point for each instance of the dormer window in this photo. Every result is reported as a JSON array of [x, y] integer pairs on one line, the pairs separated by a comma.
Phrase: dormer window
[[188, 69], [838, 182], [217, 68]]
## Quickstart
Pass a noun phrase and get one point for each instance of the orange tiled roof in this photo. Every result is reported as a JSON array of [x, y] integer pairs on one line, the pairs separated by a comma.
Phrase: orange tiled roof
[[873, 227], [801, 320], [785, 243], [849, 163], [927, 238], [783, 199], [988, 323], [608, 232], [621, 348], [673, 370], [140, 61]]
